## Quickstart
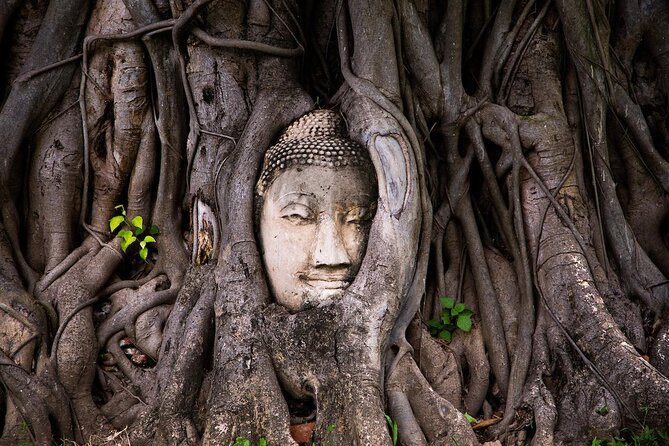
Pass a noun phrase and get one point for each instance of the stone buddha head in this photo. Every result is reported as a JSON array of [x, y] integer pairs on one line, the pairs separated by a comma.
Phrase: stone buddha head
[[316, 196]]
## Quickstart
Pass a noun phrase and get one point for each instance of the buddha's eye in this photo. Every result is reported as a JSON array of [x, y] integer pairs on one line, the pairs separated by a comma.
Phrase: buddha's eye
[[360, 215], [298, 214]]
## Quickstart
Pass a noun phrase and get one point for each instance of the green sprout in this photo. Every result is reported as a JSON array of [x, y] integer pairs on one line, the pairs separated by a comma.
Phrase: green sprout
[[452, 316], [470, 419], [602, 410], [392, 426], [243, 441], [133, 231]]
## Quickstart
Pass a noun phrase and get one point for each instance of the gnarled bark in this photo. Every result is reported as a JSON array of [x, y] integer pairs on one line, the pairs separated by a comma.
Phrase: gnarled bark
[[535, 130]]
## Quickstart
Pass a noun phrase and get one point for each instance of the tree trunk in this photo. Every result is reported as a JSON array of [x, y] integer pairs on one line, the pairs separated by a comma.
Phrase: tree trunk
[[520, 152]]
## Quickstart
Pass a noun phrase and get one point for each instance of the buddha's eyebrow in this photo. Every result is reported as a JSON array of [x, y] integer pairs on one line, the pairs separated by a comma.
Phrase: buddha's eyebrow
[[299, 194]]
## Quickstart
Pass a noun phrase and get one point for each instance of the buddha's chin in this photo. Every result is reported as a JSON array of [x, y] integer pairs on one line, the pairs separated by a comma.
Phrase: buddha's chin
[[313, 297]]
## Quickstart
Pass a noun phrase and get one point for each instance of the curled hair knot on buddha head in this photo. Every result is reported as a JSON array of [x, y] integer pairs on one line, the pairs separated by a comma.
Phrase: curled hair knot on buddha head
[[318, 138]]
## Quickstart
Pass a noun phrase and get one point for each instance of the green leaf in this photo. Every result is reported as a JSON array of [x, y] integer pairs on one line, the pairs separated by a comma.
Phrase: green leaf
[[464, 323], [143, 253], [262, 441], [241, 441], [331, 427], [149, 239], [445, 318], [434, 324], [125, 234], [602, 410], [115, 222], [470, 418], [138, 231], [142, 244], [459, 308], [138, 222], [447, 302], [127, 242], [392, 424], [445, 335], [154, 230], [120, 206], [466, 312]]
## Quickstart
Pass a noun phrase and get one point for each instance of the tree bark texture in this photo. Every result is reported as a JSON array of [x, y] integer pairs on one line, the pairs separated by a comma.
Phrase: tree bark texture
[[521, 153]]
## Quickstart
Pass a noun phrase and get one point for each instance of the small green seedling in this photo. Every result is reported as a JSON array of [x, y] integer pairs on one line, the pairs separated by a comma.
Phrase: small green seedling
[[452, 316], [470, 419], [602, 410], [24, 432], [136, 228], [392, 426], [241, 441]]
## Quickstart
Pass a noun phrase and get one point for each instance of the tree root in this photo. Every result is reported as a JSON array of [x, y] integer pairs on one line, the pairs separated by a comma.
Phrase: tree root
[[439, 421], [40, 399], [440, 365], [128, 305], [177, 399]]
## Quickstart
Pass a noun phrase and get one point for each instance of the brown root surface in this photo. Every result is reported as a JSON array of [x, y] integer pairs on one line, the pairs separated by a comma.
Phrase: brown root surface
[[521, 161]]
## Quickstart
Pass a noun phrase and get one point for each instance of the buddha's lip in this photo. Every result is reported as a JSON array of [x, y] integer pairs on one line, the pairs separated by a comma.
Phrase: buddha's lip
[[329, 284], [342, 276], [327, 281]]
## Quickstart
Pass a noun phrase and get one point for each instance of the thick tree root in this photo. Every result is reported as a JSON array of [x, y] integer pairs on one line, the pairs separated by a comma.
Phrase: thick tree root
[[439, 421]]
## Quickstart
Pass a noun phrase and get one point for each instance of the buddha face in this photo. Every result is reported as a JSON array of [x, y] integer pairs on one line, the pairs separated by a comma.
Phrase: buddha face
[[314, 225]]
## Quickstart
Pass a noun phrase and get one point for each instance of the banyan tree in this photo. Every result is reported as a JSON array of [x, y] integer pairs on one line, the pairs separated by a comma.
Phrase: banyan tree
[[241, 220]]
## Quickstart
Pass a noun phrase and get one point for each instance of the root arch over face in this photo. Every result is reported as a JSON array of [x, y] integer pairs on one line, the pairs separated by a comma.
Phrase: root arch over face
[[519, 157]]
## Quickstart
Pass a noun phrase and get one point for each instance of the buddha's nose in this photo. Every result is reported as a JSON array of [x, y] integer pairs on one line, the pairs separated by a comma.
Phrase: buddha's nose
[[329, 248]]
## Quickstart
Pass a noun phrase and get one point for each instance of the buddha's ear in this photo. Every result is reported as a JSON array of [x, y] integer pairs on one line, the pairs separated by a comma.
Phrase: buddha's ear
[[390, 161]]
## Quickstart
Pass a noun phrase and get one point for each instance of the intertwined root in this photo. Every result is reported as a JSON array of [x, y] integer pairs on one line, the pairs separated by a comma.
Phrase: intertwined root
[[548, 183]]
